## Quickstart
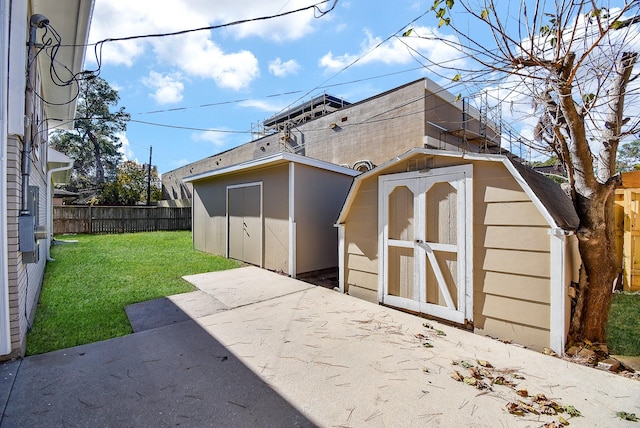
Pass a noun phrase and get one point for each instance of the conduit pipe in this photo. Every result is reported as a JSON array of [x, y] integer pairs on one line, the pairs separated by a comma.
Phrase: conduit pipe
[[50, 207]]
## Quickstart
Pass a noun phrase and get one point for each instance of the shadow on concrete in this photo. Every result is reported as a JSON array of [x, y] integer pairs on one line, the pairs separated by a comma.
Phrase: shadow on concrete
[[176, 375]]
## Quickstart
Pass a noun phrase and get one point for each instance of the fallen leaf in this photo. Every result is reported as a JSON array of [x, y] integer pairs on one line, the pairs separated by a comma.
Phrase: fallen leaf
[[539, 398], [515, 409], [470, 381], [522, 392], [547, 410], [486, 373], [474, 372], [528, 407], [482, 385], [484, 363], [627, 416], [457, 376], [572, 411]]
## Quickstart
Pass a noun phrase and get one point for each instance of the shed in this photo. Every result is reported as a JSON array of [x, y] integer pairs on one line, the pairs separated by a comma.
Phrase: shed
[[473, 239], [627, 218], [276, 212]]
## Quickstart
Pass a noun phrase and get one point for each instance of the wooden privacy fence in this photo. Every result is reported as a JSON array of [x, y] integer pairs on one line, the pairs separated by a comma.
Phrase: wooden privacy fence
[[104, 219]]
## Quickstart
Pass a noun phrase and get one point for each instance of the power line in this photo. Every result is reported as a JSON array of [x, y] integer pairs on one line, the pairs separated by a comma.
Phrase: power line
[[244, 100]]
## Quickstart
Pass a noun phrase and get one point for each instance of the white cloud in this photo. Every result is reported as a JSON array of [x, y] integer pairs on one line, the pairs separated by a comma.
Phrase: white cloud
[[217, 139], [125, 149], [262, 105], [281, 69], [180, 162], [200, 57], [422, 45], [167, 87], [290, 27], [196, 53]]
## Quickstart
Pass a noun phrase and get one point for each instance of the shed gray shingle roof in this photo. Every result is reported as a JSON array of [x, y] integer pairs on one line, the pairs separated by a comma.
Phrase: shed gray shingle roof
[[555, 200]]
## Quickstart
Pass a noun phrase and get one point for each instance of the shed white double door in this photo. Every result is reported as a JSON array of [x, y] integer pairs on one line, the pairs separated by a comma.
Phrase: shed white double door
[[425, 220]]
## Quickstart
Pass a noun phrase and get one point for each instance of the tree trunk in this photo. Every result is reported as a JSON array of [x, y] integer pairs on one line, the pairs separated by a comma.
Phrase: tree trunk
[[97, 153], [596, 242], [594, 204]]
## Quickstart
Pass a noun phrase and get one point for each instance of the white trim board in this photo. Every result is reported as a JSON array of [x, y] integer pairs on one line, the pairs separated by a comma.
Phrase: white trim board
[[270, 160]]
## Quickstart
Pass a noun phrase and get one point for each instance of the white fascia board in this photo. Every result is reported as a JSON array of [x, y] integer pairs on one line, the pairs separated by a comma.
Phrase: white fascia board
[[5, 321], [56, 159], [558, 290], [380, 169], [443, 153], [292, 221], [17, 65], [341, 257], [534, 198], [72, 20], [270, 160]]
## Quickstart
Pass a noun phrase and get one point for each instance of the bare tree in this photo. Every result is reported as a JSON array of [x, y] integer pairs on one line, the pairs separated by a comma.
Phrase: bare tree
[[576, 61]]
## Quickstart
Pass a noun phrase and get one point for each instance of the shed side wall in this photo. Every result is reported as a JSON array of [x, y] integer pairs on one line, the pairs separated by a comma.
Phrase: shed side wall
[[512, 260], [319, 196]]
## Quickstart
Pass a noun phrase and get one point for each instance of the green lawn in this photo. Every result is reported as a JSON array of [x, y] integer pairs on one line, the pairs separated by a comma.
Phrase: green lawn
[[623, 332], [87, 288]]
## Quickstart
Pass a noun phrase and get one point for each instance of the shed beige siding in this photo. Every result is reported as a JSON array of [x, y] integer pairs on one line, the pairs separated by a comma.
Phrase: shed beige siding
[[511, 248], [511, 260], [210, 213], [318, 197]]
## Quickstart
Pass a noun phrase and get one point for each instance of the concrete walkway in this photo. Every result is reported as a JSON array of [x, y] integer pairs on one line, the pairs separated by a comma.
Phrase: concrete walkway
[[278, 352]]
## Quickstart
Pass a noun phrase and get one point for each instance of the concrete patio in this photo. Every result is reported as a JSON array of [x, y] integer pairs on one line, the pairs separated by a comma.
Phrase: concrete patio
[[254, 348]]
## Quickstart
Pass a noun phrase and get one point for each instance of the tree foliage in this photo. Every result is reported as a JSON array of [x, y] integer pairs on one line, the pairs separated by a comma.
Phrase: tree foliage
[[629, 156], [130, 185], [94, 143], [575, 62]]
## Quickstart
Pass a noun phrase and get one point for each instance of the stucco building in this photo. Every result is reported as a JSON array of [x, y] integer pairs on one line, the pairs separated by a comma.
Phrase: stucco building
[[359, 135]]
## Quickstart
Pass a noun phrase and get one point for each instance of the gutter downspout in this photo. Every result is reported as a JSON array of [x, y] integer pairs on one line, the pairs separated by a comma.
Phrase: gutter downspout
[[50, 207], [5, 325]]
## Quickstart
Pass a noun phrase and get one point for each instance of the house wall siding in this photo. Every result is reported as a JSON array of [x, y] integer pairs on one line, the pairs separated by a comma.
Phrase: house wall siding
[[25, 279]]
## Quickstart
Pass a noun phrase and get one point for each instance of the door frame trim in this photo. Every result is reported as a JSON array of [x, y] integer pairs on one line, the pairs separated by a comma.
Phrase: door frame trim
[[467, 222], [237, 186]]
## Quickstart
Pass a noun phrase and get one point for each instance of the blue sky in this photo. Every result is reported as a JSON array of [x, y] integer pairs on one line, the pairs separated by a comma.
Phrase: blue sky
[[209, 89]]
